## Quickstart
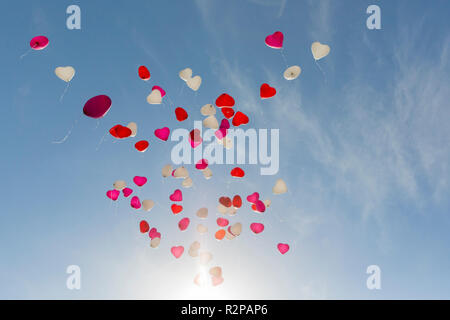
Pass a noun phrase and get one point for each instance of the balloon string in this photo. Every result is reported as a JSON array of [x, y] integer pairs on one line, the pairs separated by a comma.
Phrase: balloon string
[[323, 73], [68, 133], [101, 141], [284, 58], [27, 52], [64, 92]]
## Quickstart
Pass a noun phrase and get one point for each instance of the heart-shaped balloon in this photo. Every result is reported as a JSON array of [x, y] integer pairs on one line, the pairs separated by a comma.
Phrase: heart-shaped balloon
[[177, 251], [225, 100], [253, 197], [237, 172], [148, 204], [176, 195], [153, 233], [216, 281], [161, 90], [222, 222], [235, 229], [224, 124], [221, 133], [183, 224], [141, 146], [193, 249], [211, 122], [275, 40], [280, 187], [126, 192], [166, 171], [239, 119], [185, 74], [135, 202], [202, 213], [225, 201], [260, 206], [201, 164], [154, 97], [283, 248], [220, 234], [237, 201], [176, 209], [154, 243], [139, 181], [143, 226], [180, 172], [319, 50], [267, 91], [97, 107], [181, 114], [162, 133], [133, 127], [257, 227], [208, 110], [119, 185], [187, 182], [65, 73], [194, 82], [205, 257], [202, 229], [113, 194], [207, 173], [39, 42], [120, 132], [227, 112], [195, 138], [143, 72]]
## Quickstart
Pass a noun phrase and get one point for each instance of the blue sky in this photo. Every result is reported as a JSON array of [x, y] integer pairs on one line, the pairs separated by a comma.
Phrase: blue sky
[[364, 148]]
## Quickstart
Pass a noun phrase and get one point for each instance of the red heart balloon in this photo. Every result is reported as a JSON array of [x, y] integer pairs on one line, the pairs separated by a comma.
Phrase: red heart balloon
[[141, 146], [239, 118], [237, 172], [237, 201], [225, 201], [144, 74], [120, 132], [181, 114], [143, 226], [267, 91], [176, 208], [225, 100], [228, 112]]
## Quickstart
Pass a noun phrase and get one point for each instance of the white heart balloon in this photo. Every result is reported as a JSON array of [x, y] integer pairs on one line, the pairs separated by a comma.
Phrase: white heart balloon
[[208, 110], [292, 73], [280, 187], [236, 229], [181, 172], [211, 122], [185, 74], [154, 243], [147, 205], [194, 83], [202, 229], [215, 271], [187, 182], [207, 173], [319, 50], [205, 257], [119, 185], [133, 127], [154, 97], [166, 170], [65, 73], [202, 213]]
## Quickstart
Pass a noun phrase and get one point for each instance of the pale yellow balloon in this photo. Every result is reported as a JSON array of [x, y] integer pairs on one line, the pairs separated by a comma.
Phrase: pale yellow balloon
[[202, 229], [267, 202], [226, 142], [280, 187], [154, 243], [211, 122], [215, 271], [231, 211], [205, 257], [187, 182], [147, 204], [292, 73], [154, 97], [181, 172], [228, 235], [133, 127], [185, 74], [207, 173], [193, 249], [65, 73], [119, 185], [319, 50], [236, 229], [208, 110], [202, 213], [200, 280], [167, 170], [194, 82], [221, 208]]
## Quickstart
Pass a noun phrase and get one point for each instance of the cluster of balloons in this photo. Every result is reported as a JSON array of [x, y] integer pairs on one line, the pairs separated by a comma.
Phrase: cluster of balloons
[[98, 106]]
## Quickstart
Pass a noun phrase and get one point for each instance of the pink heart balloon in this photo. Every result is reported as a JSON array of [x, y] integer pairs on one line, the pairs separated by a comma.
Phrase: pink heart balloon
[[195, 138], [222, 222], [221, 133], [260, 206], [184, 224], [275, 40], [135, 202], [153, 233], [177, 251], [201, 164], [39, 42], [257, 227], [163, 93], [176, 195], [139, 181], [162, 133], [113, 194], [216, 281], [283, 248], [253, 198], [127, 192]]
